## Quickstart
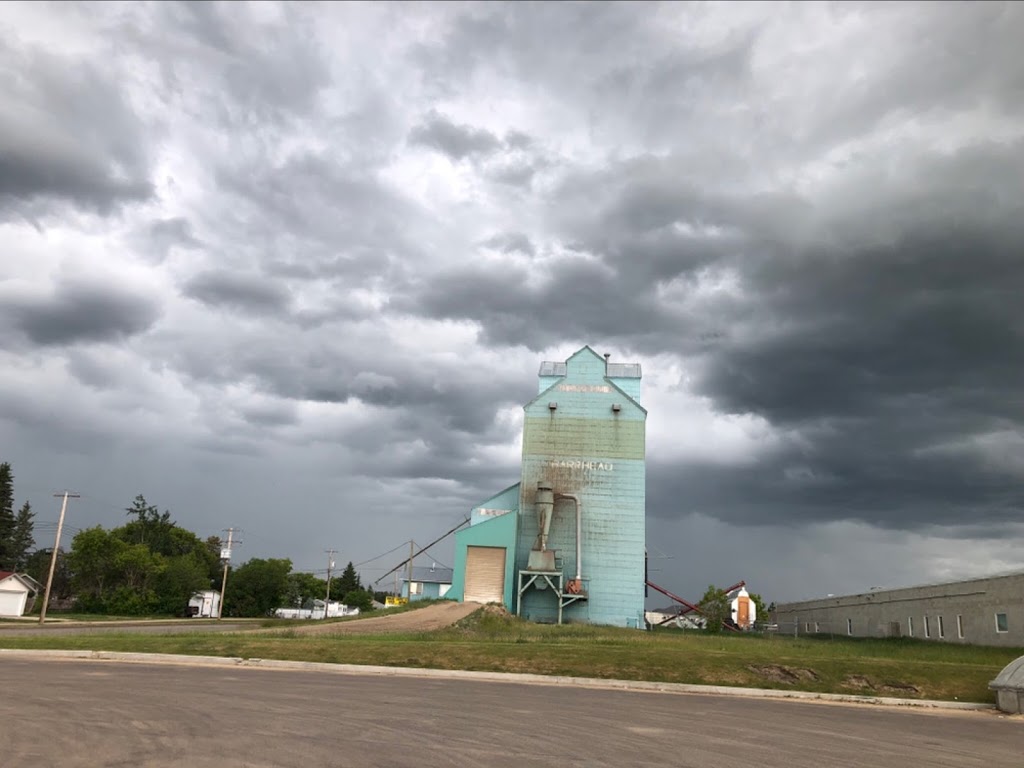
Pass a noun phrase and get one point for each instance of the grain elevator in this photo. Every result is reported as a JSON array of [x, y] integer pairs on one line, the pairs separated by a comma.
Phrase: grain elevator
[[566, 543]]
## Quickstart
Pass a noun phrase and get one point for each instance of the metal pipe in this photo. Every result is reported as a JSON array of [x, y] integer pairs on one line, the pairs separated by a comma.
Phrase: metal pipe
[[579, 531]]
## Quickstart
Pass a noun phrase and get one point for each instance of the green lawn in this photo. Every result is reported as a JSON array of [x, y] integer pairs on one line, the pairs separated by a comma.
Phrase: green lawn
[[485, 641]]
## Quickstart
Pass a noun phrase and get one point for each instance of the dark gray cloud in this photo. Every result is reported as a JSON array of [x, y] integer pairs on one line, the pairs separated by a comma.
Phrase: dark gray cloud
[[243, 292], [160, 237], [511, 242], [81, 312], [457, 141], [66, 134]]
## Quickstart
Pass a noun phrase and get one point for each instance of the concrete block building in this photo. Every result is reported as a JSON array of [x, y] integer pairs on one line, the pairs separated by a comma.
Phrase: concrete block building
[[566, 543], [986, 611]]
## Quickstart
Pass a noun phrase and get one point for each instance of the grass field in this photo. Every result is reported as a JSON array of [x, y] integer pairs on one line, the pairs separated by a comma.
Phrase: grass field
[[493, 642]]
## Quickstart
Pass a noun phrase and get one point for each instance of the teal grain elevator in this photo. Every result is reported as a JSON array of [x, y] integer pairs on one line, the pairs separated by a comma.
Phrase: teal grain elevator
[[566, 543]]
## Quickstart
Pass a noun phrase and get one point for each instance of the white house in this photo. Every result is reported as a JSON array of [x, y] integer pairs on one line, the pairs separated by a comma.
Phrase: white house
[[14, 591]]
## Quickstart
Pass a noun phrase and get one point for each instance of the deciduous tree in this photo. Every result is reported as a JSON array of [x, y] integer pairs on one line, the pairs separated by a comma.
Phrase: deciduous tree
[[359, 598], [304, 587], [716, 608], [257, 587]]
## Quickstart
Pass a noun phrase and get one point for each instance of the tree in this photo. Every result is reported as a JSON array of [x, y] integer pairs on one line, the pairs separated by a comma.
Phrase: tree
[[180, 578], [37, 565], [91, 563], [136, 566], [359, 598], [7, 521], [16, 532], [149, 527], [347, 582], [22, 539], [147, 565], [716, 608], [759, 608], [303, 588], [257, 587]]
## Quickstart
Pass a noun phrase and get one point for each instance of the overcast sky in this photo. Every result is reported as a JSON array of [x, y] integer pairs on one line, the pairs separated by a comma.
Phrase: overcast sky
[[292, 268]]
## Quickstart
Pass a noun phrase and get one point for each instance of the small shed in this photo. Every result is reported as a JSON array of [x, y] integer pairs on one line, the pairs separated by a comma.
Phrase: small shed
[[204, 605], [14, 591]]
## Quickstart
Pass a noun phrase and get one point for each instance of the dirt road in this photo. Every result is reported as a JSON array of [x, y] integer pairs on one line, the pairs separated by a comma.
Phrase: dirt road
[[421, 620]]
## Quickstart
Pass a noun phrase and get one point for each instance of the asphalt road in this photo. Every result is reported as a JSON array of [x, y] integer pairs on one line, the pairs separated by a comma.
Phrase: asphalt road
[[81, 713]]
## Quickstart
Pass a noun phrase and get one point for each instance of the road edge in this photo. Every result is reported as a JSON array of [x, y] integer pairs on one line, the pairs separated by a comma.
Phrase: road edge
[[496, 677]]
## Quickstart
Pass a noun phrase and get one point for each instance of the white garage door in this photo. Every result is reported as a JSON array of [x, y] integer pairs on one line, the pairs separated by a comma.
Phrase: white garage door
[[485, 575], [12, 603]]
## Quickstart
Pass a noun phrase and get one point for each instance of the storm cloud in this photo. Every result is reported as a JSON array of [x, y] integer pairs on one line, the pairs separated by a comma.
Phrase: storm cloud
[[320, 251], [80, 312]]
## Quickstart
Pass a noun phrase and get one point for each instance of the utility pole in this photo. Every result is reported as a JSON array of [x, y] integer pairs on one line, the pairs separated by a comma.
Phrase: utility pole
[[408, 581], [53, 558], [330, 565], [225, 555]]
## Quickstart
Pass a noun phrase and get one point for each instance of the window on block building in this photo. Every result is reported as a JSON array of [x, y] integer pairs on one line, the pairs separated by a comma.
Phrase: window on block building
[[960, 626], [927, 627], [1002, 625], [849, 626], [942, 629], [910, 626]]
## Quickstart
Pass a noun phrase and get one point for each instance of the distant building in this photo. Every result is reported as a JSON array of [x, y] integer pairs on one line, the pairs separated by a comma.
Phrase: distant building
[[986, 611], [335, 610], [15, 589], [669, 617], [743, 610], [427, 583]]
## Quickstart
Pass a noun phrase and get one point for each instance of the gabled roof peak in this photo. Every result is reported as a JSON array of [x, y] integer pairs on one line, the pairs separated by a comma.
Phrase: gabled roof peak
[[613, 370]]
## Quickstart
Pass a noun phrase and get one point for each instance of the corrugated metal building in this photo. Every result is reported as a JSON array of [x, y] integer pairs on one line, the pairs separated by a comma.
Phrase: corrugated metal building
[[566, 543], [986, 611]]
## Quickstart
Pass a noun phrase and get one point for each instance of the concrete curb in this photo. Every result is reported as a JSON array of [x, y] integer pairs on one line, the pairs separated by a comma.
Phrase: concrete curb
[[495, 677]]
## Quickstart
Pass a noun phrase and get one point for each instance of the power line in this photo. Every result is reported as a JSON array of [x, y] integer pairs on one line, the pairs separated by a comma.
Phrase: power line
[[378, 557], [412, 555]]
